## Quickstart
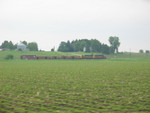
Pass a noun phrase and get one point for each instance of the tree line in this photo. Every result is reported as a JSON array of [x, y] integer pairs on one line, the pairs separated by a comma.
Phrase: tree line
[[84, 45], [92, 45], [8, 45], [142, 51]]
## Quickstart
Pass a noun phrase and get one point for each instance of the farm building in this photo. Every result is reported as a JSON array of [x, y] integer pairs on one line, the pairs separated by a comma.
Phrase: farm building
[[22, 47]]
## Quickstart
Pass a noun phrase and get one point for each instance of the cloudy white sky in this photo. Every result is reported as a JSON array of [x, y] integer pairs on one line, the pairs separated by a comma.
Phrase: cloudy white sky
[[48, 22]]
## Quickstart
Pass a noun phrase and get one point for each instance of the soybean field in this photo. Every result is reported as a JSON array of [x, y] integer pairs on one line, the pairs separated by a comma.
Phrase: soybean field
[[74, 86]]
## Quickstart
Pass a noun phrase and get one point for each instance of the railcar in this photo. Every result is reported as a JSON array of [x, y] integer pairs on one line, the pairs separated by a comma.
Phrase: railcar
[[31, 57], [41, 57], [87, 57], [77, 57], [68, 57], [99, 57]]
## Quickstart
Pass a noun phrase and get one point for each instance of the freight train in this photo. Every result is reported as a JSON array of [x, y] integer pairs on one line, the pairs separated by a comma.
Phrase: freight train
[[34, 57]]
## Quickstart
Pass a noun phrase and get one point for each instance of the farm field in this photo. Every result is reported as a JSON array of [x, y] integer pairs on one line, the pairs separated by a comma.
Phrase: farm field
[[17, 54], [75, 86]]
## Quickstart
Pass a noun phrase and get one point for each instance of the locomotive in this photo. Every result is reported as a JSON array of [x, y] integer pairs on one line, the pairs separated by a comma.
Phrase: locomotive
[[34, 57]]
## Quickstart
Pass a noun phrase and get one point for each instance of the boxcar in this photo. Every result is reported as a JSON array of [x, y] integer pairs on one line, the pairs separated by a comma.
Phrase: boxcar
[[87, 57], [77, 57], [41, 57], [28, 57], [99, 57], [69, 57]]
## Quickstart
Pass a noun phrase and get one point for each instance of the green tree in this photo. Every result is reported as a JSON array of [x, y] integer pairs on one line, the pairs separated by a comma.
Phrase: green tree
[[8, 45], [95, 46], [65, 47], [25, 42], [76, 45], [141, 51], [147, 51], [114, 42], [15, 46], [69, 47], [85, 45], [5, 45], [105, 49], [32, 46], [11, 46], [62, 47]]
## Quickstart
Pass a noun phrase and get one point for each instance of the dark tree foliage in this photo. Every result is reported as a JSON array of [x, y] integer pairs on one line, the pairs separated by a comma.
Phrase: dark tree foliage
[[141, 51], [95, 46], [69, 46], [32, 46], [84, 45], [147, 51], [105, 49], [111, 50], [25, 42], [114, 42], [8, 45], [63, 47]]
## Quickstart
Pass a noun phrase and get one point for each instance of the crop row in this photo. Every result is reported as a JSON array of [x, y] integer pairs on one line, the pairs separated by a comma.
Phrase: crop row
[[74, 86]]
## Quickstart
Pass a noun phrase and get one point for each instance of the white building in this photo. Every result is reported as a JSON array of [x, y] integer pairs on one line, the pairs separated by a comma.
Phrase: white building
[[22, 47]]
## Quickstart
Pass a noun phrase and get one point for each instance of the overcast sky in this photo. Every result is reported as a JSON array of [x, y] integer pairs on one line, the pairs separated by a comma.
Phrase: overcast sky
[[48, 22]]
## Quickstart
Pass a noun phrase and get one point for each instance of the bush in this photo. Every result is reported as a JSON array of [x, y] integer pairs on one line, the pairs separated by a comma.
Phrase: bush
[[147, 51], [9, 57], [141, 51]]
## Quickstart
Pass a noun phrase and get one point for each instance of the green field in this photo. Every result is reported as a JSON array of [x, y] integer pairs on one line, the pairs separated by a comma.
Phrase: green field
[[75, 86], [17, 54]]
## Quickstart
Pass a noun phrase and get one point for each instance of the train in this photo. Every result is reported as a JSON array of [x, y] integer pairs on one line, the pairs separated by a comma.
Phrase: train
[[34, 57]]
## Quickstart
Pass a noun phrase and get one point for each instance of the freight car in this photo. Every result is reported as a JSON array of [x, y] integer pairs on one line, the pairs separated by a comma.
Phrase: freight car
[[93, 57], [87, 57], [41, 57], [33, 57], [99, 57]]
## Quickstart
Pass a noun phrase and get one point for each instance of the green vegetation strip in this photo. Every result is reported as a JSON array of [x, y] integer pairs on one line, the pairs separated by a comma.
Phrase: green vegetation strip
[[80, 86]]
